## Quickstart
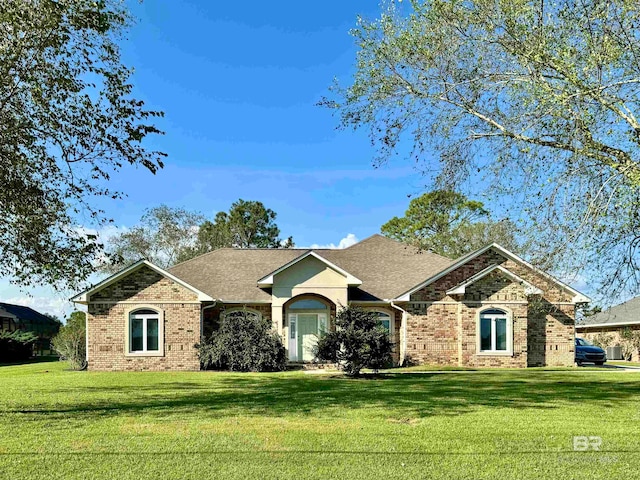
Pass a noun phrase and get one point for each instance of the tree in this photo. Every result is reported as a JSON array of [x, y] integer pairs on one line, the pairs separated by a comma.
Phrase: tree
[[358, 341], [243, 343], [70, 342], [630, 342], [247, 225], [536, 100], [17, 346], [67, 123], [449, 224], [161, 237]]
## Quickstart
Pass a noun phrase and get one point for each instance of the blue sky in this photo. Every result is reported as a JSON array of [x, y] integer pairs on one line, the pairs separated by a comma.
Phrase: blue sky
[[239, 83]]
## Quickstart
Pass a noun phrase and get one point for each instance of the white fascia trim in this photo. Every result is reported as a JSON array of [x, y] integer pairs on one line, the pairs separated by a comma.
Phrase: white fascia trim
[[528, 287], [83, 298], [577, 298], [268, 280], [244, 302], [603, 325]]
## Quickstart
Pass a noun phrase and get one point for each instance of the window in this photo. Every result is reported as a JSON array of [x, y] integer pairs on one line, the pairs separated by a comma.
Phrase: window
[[494, 331], [308, 304], [144, 331], [242, 313], [385, 320], [292, 328]]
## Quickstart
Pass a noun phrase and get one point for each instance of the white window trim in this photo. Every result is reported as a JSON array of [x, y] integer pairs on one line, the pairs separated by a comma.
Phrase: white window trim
[[495, 353], [127, 329], [392, 322]]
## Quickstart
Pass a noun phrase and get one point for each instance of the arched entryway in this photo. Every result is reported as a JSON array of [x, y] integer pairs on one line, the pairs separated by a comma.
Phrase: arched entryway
[[307, 317]]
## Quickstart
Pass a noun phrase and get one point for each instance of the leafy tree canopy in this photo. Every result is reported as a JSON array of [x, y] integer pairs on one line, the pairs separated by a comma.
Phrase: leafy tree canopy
[[161, 237], [450, 224], [248, 224], [68, 122], [536, 100]]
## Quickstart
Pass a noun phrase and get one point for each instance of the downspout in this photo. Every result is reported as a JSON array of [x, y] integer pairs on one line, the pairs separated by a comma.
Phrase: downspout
[[403, 336]]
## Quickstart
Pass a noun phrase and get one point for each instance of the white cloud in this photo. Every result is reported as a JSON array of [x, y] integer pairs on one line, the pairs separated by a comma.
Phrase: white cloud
[[54, 304], [347, 241]]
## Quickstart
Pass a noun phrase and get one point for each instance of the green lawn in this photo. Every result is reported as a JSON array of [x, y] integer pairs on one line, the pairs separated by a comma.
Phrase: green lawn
[[57, 424]]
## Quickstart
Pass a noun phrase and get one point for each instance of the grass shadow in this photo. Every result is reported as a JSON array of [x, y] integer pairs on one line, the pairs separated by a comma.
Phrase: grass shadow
[[416, 395]]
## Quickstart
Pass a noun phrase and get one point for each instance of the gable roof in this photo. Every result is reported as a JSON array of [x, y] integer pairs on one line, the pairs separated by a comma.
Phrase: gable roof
[[84, 297], [267, 281], [26, 314], [383, 266], [627, 313], [530, 289], [577, 296]]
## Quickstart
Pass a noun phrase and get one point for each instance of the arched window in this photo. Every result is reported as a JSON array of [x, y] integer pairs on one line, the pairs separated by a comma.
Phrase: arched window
[[145, 331], [385, 320], [495, 331], [308, 304], [242, 313]]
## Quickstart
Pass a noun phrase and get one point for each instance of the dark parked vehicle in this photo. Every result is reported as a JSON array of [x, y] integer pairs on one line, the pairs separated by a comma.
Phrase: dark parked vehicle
[[587, 352]]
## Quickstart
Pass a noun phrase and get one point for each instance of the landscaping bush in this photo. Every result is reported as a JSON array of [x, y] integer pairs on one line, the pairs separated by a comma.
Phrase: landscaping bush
[[630, 342], [243, 343], [359, 341], [602, 340], [16, 346], [70, 342]]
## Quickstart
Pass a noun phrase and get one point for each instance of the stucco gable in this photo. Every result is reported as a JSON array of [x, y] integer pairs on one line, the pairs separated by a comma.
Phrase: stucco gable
[[308, 261]]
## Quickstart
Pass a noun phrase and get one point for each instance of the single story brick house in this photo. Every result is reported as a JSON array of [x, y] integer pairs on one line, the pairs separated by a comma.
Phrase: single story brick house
[[489, 308], [612, 322]]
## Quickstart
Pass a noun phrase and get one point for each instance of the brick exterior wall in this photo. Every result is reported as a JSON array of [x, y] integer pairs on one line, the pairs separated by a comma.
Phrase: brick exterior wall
[[442, 329], [144, 285], [108, 323]]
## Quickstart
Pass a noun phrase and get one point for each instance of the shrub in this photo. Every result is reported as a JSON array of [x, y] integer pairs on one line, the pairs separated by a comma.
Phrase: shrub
[[16, 346], [243, 343], [602, 340], [630, 342], [70, 342], [359, 341]]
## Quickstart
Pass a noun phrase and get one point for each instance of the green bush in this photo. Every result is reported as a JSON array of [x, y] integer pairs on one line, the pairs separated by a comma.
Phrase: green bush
[[630, 342], [602, 340], [359, 341], [243, 343], [16, 346], [70, 342]]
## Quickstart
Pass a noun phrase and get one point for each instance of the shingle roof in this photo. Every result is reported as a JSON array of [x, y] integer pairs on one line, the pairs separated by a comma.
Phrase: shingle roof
[[26, 314], [385, 266], [627, 313]]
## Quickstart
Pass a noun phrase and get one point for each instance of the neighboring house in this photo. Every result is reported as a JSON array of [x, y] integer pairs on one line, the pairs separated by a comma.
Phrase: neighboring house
[[489, 308], [18, 317], [612, 322]]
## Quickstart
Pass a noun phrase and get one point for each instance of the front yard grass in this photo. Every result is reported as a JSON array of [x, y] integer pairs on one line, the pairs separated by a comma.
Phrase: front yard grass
[[508, 424]]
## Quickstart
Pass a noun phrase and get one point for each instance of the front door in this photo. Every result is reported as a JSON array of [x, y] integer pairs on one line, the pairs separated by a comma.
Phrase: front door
[[307, 335]]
